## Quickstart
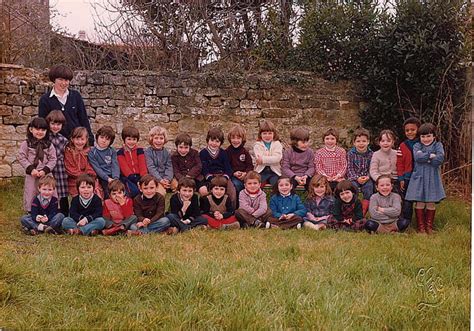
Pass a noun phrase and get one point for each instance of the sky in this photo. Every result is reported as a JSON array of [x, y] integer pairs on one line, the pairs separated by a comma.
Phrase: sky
[[74, 15]]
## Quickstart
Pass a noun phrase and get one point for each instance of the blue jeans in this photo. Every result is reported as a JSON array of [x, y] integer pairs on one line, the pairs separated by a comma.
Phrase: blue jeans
[[158, 226], [239, 185], [131, 185], [367, 189], [127, 223], [267, 175], [175, 221], [28, 222], [96, 224]]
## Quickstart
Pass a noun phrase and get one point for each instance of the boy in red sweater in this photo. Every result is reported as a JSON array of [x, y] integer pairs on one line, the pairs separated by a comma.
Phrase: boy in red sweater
[[118, 210], [131, 160]]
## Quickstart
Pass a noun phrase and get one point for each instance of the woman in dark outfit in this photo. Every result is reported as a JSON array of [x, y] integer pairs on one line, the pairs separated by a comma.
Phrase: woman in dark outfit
[[69, 101]]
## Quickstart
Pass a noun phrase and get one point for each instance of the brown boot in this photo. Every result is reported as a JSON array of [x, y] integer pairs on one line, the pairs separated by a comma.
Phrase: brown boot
[[429, 219], [113, 230], [420, 220], [365, 206]]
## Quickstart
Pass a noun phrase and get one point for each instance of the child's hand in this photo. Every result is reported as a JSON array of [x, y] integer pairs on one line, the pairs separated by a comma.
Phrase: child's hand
[[146, 221], [165, 183], [120, 199], [304, 179], [45, 219], [140, 225], [288, 216], [259, 160], [348, 221], [41, 173], [380, 209], [218, 215], [282, 217], [82, 222], [109, 179], [362, 179], [242, 175], [432, 156], [186, 221], [402, 185]]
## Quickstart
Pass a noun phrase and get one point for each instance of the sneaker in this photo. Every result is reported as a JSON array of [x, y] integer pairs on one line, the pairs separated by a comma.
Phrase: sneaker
[[268, 225], [258, 224], [49, 230], [298, 226], [94, 233], [74, 232], [231, 226], [171, 231]]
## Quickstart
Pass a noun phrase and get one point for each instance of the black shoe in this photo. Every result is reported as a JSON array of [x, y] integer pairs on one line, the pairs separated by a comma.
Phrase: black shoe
[[49, 230]]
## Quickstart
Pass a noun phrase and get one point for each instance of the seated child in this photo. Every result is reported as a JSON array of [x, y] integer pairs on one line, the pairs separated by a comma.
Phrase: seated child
[[76, 161], [103, 158], [385, 208], [158, 160], [298, 160], [118, 210], [287, 209], [358, 165], [37, 156], [149, 207], [253, 208], [268, 153], [131, 160], [217, 208], [330, 161], [239, 156], [347, 210], [384, 161], [56, 120], [319, 203], [215, 162], [44, 217], [186, 161], [405, 162], [85, 214], [184, 207]]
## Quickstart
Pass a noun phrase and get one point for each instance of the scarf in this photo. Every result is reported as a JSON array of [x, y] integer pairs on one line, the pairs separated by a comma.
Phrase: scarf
[[39, 146]]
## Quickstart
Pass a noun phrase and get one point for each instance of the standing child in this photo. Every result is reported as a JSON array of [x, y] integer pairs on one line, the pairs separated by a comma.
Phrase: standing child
[[319, 204], [217, 208], [287, 209], [131, 159], [149, 206], [216, 162], [118, 210], [384, 161], [330, 161], [37, 156], [385, 209], [158, 160], [298, 160], [240, 159], [56, 121], [85, 214], [426, 187], [253, 208], [76, 161], [405, 162], [347, 211], [186, 161], [358, 165], [44, 217], [103, 158], [268, 153], [184, 207]]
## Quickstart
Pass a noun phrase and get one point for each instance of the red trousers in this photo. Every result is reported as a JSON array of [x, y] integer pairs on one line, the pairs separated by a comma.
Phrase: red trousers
[[216, 224]]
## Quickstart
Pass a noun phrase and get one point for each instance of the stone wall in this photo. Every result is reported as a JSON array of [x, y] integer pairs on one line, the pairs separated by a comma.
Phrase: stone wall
[[190, 102]]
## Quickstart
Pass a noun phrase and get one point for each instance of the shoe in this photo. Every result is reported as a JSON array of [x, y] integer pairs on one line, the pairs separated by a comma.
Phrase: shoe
[[298, 226], [429, 219], [311, 226], [74, 232], [171, 231], [113, 230], [420, 220], [268, 225], [131, 233], [231, 226], [94, 233], [49, 230], [258, 224], [201, 227]]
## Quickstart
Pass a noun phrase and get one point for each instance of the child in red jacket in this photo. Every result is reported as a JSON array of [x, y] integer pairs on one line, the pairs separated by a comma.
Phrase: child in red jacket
[[118, 210], [131, 160]]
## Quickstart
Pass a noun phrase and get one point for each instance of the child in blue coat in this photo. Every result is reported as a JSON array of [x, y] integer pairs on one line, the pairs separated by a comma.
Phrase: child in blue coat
[[287, 209], [426, 187]]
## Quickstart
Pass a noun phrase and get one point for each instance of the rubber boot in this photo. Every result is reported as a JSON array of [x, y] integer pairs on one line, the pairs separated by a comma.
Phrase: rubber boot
[[365, 206], [420, 220], [429, 219]]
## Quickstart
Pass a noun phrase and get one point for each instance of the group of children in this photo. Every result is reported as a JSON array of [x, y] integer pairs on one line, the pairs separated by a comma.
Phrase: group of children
[[122, 191]]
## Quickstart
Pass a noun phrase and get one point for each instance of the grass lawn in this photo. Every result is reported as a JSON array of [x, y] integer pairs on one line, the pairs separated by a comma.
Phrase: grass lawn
[[246, 279]]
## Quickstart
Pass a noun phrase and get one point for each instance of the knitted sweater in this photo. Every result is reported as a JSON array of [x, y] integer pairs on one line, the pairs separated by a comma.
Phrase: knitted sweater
[[50, 209], [104, 162], [92, 211], [383, 163], [240, 159], [132, 162], [153, 208], [176, 204], [224, 206], [217, 165], [347, 210], [296, 162], [391, 204], [188, 165], [158, 162], [255, 204], [271, 156]]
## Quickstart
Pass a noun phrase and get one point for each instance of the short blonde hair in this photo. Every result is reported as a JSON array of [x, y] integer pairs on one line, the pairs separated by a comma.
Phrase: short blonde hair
[[237, 131], [157, 131]]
